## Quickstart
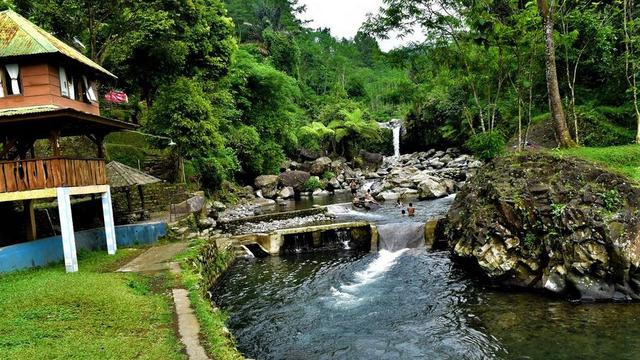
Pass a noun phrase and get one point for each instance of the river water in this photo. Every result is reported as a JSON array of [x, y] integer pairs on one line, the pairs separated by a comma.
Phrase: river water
[[408, 304]]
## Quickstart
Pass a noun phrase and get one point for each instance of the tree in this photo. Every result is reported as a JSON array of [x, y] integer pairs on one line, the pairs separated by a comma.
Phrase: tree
[[182, 113], [350, 129], [546, 9], [631, 39], [146, 43]]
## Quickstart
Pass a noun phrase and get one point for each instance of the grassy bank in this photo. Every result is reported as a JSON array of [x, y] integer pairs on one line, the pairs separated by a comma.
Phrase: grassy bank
[[623, 159], [92, 314], [202, 265]]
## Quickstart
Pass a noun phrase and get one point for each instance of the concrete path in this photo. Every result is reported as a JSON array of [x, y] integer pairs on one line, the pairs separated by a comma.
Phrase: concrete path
[[158, 258], [188, 325], [155, 259]]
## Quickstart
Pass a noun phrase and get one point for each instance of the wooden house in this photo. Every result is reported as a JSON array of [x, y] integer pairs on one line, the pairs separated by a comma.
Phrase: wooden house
[[48, 90]]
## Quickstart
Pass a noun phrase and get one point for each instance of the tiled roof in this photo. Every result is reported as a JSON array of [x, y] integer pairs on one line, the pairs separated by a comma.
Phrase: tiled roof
[[121, 175], [19, 37]]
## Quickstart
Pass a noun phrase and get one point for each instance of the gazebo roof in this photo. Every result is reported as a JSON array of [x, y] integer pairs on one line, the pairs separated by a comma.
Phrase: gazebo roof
[[37, 121], [20, 37], [121, 175]]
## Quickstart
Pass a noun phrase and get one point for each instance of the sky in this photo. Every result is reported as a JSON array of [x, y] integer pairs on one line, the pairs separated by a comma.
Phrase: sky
[[344, 18]]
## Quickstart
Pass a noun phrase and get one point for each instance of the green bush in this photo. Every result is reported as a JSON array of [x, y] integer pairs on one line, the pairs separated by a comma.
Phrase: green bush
[[313, 184], [125, 154], [486, 146], [596, 128], [328, 175]]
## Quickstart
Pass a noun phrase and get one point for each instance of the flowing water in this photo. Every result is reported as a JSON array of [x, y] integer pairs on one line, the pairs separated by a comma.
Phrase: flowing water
[[396, 141], [407, 303]]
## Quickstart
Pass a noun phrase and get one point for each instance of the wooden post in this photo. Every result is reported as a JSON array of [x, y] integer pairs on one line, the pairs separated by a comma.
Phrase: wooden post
[[30, 220], [54, 143], [66, 227], [99, 141], [127, 193], [109, 227], [141, 193]]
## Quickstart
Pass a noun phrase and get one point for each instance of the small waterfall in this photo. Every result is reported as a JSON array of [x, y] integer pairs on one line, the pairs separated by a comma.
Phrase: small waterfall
[[407, 235], [396, 141], [396, 126], [344, 238], [367, 186]]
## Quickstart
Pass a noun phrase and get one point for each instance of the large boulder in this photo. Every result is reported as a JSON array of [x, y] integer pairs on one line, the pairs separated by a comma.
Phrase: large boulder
[[320, 165], [286, 192], [563, 225], [371, 161], [267, 185], [295, 179], [431, 188]]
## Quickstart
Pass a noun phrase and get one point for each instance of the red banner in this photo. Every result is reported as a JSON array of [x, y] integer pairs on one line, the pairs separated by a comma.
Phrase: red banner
[[116, 97]]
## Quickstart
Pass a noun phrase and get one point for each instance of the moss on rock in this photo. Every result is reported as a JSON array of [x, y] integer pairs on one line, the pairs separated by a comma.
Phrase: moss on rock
[[560, 224]]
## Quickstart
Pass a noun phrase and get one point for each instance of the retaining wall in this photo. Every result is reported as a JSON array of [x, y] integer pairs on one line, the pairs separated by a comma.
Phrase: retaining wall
[[46, 251]]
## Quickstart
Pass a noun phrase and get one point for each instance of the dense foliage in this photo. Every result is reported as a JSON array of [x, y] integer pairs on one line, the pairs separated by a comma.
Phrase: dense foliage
[[242, 85], [483, 66], [238, 85]]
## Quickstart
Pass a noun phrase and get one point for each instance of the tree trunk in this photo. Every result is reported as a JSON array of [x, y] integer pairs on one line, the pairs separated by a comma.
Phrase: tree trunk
[[555, 101], [630, 61]]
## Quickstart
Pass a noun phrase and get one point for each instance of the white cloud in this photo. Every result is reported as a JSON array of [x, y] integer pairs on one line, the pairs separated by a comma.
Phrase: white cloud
[[344, 18]]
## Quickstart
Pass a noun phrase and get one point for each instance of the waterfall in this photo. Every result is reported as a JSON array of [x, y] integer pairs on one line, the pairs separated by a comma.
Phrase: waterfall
[[396, 141], [394, 237], [396, 126]]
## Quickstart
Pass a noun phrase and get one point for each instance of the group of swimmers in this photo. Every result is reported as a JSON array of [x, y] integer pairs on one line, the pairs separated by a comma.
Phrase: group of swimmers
[[410, 211], [368, 198]]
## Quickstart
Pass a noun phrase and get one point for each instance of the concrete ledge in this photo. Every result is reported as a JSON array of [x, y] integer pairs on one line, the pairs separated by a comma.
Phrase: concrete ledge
[[46, 251], [273, 242], [271, 217]]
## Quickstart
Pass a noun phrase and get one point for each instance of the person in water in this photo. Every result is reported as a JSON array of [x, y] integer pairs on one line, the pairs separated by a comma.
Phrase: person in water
[[354, 188], [404, 212], [399, 203], [368, 197], [411, 210]]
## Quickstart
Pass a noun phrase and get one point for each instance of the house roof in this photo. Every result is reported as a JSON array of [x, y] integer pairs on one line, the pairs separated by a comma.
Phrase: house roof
[[20, 37], [121, 175]]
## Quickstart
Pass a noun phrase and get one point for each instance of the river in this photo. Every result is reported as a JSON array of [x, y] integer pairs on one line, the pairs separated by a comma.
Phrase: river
[[408, 304]]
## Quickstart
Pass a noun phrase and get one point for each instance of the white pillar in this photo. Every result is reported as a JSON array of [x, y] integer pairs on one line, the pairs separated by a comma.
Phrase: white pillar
[[66, 227], [109, 227]]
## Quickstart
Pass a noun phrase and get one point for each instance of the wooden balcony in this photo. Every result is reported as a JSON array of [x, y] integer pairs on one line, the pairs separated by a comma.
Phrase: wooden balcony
[[37, 174]]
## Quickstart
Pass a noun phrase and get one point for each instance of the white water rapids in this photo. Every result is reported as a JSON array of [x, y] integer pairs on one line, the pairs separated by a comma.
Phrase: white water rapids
[[395, 240]]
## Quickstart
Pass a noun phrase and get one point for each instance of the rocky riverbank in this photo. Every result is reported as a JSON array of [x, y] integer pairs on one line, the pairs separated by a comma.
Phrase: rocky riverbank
[[562, 225], [424, 175]]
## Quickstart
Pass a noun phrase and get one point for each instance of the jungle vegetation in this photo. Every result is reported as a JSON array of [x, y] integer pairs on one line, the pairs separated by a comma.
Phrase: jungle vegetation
[[242, 85]]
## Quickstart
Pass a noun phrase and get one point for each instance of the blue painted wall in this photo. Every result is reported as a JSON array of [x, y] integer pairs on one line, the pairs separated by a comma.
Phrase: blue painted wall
[[46, 251]]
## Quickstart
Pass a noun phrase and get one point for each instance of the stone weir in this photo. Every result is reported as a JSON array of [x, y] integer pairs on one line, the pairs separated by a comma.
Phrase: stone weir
[[338, 236]]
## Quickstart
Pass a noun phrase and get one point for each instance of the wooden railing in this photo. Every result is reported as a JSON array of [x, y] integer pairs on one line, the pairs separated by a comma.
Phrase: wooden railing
[[36, 174]]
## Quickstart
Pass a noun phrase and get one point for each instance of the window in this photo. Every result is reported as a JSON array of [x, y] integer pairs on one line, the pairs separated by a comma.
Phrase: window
[[10, 83], [76, 87]]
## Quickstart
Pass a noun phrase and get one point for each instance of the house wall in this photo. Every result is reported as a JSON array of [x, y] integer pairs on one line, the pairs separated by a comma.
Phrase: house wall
[[47, 251], [41, 86]]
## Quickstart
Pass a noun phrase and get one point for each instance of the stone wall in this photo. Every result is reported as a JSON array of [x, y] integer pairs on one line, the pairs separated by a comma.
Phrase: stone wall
[[157, 197], [209, 261]]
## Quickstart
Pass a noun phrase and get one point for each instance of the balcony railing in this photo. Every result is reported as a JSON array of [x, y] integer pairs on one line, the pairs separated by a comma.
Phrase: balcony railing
[[36, 174]]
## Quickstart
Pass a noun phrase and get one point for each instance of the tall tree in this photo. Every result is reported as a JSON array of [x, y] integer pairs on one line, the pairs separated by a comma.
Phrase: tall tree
[[630, 60], [546, 9]]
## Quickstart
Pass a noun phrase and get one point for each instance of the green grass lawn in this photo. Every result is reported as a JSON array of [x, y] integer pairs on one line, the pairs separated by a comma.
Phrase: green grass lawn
[[623, 159], [92, 314]]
